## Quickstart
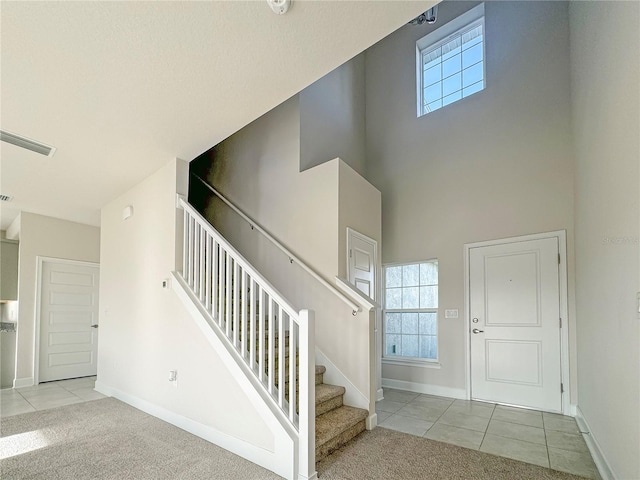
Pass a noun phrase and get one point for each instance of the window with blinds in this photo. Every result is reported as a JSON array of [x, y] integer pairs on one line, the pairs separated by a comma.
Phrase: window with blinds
[[451, 64]]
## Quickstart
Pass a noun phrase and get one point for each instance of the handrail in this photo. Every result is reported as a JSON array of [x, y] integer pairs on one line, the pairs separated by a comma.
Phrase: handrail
[[366, 301], [356, 308]]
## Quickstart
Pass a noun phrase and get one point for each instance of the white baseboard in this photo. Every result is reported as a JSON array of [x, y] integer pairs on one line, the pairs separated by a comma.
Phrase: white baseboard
[[253, 453], [23, 382], [425, 388], [352, 396], [372, 421], [596, 452]]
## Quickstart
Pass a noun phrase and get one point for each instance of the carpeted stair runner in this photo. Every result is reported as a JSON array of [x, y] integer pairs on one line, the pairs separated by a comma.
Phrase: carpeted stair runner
[[336, 423]]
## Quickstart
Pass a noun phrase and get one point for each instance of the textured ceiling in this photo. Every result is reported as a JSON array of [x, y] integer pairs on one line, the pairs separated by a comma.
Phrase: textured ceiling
[[120, 88]]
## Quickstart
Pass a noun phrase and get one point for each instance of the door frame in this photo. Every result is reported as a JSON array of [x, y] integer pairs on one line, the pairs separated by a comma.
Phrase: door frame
[[36, 341], [377, 288], [354, 233], [561, 236]]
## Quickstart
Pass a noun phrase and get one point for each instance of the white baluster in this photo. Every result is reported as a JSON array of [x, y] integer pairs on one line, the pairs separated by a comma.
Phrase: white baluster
[[201, 249], [293, 343], [243, 315], [227, 295], [282, 364], [221, 283], [192, 228], [307, 417], [208, 252], [236, 317], [252, 322], [272, 350], [261, 333], [215, 283], [185, 245], [196, 260]]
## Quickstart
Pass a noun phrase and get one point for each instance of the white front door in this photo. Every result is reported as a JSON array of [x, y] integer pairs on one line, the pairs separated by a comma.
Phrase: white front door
[[68, 320], [362, 252], [515, 324]]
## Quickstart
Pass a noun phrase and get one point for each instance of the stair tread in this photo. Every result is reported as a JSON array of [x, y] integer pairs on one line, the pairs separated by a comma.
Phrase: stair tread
[[326, 391], [333, 423], [320, 369]]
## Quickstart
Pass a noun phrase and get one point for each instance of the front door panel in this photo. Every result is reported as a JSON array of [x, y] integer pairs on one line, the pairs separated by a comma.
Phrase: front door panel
[[515, 329]]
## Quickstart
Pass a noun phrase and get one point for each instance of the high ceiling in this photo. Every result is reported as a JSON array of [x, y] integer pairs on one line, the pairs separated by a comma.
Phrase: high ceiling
[[120, 88]]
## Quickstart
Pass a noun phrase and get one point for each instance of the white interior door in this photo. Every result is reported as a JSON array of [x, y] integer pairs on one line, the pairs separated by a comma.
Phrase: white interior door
[[515, 324], [68, 320], [362, 261]]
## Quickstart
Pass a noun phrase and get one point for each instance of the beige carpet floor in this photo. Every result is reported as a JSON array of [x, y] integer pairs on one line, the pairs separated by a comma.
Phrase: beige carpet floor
[[107, 439]]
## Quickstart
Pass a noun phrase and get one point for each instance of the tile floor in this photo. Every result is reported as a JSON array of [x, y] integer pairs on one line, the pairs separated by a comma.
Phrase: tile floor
[[14, 401], [541, 438]]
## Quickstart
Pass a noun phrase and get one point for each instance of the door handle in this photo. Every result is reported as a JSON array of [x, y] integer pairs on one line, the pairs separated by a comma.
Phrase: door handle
[[475, 330], [94, 326]]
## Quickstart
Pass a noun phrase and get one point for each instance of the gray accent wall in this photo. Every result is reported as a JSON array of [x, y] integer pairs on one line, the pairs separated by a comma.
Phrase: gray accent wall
[[332, 118], [496, 164]]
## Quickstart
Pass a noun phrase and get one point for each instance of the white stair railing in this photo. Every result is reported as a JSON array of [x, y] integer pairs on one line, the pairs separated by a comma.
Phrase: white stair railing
[[265, 331], [292, 257]]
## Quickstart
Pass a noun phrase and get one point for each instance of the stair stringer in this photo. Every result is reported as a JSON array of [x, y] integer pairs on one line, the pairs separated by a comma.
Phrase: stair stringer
[[283, 460]]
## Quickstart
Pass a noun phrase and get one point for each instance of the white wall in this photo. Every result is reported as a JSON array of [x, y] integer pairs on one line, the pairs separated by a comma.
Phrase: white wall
[[45, 237], [145, 331], [605, 67], [494, 165], [359, 208], [332, 117]]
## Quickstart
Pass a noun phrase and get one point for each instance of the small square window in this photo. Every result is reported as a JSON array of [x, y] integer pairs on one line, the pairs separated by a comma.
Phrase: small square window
[[450, 62]]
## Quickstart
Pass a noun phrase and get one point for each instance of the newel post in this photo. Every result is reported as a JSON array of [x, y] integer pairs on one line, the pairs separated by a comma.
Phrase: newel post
[[307, 414]]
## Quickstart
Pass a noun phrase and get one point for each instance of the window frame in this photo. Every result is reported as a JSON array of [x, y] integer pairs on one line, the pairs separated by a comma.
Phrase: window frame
[[401, 359], [440, 36]]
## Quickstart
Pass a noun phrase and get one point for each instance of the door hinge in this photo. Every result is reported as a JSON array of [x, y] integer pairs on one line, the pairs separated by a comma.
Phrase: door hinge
[[559, 259], [562, 388], [350, 253], [561, 323]]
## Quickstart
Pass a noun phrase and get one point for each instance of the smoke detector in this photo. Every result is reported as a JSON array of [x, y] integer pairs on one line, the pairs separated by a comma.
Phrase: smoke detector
[[279, 7], [27, 143], [5, 198]]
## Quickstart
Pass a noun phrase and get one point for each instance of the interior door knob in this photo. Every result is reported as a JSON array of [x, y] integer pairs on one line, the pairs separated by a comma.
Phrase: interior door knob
[[94, 326], [475, 330]]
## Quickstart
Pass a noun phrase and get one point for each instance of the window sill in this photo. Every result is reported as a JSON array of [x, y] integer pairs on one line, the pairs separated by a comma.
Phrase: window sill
[[409, 362]]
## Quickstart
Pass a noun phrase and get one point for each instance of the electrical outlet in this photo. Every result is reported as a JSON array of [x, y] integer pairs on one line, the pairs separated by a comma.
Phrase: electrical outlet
[[166, 283], [173, 377], [452, 313]]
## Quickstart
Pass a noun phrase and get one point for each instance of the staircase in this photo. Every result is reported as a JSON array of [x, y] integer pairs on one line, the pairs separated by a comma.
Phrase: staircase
[[259, 328], [336, 423]]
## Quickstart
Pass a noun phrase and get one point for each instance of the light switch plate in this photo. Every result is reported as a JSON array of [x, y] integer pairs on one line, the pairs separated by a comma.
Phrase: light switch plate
[[452, 313]]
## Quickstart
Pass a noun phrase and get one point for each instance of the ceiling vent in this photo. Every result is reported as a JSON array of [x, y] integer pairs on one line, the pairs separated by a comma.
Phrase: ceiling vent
[[24, 142], [5, 198]]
